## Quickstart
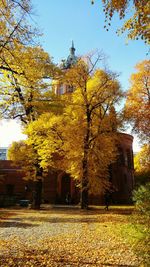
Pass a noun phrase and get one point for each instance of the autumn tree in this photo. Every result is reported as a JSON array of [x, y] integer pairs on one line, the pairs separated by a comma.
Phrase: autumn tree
[[137, 107], [137, 111], [81, 141], [24, 89], [23, 66], [135, 15], [24, 93], [25, 156], [142, 165], [14, 29]]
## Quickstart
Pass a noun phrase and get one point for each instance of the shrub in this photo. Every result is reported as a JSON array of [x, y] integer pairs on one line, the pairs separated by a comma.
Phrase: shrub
[[142, 217]]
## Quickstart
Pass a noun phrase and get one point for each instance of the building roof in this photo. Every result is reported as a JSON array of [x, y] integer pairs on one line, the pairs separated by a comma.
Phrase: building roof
[[71, 59]]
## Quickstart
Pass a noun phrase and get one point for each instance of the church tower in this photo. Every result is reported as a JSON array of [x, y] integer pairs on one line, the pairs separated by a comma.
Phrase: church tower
[[71, 59], [66, 64]]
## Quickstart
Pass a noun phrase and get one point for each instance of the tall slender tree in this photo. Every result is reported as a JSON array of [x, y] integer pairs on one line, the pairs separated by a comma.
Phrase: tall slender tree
[[24, 94]]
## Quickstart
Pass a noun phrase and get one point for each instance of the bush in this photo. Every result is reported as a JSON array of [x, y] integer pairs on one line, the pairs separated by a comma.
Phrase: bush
[[142, 218]]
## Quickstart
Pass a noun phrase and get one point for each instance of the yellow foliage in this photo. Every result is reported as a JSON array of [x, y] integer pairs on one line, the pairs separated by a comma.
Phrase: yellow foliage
[[142, 160], [137, 108], [24, 93], [85, 129], [15, 23], [137, 23], [24, 156]]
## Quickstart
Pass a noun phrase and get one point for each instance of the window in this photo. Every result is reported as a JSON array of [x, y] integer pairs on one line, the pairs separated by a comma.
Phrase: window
[[3, 153], [61, 89]]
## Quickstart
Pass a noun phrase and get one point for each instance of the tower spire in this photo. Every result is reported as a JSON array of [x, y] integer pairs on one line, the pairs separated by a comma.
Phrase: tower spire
[[72, 49], [71, 59], [72, 44]]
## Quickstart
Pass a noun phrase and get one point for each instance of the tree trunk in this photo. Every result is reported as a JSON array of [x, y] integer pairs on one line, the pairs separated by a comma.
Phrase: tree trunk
[[84, 198], [37, 188], [37, 194], [84, 189]]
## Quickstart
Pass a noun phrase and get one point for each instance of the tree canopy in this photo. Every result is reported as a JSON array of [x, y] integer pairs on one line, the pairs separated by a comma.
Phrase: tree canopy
[[81, 141], [23, 88], [137, 107], [142, 165], [14, 29], [24, 156], [24, 65], [135, 16]]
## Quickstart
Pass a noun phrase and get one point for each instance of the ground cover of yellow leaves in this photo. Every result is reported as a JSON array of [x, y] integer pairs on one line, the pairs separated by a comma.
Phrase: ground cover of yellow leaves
[[64, 237]]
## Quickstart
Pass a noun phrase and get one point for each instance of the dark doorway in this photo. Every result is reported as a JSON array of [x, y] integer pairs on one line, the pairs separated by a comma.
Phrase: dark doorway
[[65, 189], [9, 189]]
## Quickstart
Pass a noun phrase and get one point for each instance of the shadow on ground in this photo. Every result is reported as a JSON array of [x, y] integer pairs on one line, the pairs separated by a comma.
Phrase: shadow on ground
[[15, 223], [18, 217]]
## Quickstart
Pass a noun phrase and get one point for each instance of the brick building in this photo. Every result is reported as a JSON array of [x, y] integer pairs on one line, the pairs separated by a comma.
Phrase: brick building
[[57, 185]]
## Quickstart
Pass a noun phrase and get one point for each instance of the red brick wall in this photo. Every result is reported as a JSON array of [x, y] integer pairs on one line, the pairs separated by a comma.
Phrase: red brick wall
[[121, 177]]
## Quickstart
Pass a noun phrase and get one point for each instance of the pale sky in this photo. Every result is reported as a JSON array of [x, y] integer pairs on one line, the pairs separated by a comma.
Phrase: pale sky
[[10, 131], [62, 21]]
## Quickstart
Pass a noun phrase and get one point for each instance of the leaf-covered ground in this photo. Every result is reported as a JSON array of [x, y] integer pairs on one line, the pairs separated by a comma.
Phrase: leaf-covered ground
[[65, 237]]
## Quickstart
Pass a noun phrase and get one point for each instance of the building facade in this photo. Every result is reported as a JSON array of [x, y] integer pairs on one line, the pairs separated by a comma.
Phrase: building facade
[[58, 186]]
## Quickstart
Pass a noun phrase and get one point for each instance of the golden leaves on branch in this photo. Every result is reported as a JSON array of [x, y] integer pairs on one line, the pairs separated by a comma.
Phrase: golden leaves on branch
[[137, 25], [137, 108], [85, 127]]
